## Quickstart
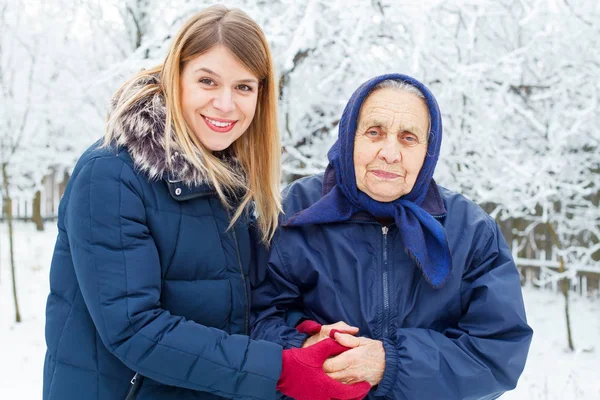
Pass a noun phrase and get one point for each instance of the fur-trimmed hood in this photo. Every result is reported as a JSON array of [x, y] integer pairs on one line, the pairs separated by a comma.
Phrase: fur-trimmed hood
[[141, 129]]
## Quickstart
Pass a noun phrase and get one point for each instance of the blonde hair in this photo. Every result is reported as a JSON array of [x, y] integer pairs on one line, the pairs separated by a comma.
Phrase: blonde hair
[[258, 150]]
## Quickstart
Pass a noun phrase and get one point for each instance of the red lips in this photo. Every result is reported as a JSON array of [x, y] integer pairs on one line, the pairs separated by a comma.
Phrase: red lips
[[210, 122]]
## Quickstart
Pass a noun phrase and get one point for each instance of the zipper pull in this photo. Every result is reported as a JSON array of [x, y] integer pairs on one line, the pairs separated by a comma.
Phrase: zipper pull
[[384, 229], [134, 379]]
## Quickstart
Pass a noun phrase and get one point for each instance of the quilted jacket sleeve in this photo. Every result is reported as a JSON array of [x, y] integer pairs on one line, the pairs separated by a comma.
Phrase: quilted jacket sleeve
[[275, 299], [484, 355], [117, 268]]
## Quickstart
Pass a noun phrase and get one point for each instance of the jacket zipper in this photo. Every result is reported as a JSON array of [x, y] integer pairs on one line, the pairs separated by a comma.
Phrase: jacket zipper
[[386, 294], [134, 387], [237, 250]]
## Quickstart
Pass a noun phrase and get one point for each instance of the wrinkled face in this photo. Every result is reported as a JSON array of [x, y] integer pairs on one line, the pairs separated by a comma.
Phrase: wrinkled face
[[218, 97], [390, 143]]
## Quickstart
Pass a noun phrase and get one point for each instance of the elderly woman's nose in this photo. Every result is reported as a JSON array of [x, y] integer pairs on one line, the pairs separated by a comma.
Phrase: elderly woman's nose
[[390, 153]]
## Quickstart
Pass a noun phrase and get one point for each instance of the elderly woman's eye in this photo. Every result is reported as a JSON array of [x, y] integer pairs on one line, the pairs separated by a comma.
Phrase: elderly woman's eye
[[372, 133], [410, 138]]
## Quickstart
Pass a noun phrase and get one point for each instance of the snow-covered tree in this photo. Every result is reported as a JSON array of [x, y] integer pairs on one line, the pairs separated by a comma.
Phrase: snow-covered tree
[[517, 84], [19, 59], [519, 92]]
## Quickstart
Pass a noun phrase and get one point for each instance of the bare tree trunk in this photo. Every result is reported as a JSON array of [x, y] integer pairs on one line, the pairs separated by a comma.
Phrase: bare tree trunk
[[565, 290], [37, 212], [10, 241], [564, 286]]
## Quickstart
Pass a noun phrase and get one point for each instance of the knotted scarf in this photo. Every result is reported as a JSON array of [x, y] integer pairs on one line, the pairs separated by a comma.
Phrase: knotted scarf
[[423, 236]]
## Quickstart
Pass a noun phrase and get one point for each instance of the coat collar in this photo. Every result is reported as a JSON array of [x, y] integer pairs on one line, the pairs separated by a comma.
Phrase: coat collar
[[141, 130], [181, 192]]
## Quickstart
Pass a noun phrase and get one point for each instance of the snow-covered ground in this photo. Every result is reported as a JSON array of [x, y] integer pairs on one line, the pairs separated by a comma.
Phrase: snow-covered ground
[[551, 372]]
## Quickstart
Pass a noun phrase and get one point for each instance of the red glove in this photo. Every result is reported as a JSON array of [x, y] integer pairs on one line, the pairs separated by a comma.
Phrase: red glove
[[303, 378], [309, 327]]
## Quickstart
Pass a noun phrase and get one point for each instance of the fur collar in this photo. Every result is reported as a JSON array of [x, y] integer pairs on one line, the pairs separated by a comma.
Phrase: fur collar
[[141, 129]]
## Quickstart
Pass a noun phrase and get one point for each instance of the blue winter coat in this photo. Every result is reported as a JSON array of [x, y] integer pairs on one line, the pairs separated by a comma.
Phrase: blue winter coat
[[146, 278], [467, 340]]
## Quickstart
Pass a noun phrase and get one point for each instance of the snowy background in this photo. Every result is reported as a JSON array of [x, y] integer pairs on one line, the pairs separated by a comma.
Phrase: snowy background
[[517, 82]]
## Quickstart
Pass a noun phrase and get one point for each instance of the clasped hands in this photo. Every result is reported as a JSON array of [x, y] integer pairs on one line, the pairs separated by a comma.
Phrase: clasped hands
[[332, 364], [363, 362]]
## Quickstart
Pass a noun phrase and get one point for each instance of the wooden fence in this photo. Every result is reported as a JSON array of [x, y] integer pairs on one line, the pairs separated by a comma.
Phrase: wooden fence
[[53, 187], [541, 271]]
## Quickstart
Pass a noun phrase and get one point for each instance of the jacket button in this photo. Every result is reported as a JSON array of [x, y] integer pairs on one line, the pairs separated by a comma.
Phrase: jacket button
[[177, 191]]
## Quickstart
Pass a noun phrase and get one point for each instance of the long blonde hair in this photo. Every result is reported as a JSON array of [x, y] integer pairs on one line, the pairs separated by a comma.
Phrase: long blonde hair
[[258, 150]]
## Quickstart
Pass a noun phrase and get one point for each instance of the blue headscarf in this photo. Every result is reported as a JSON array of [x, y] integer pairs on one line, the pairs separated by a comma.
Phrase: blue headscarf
[[423, 236]]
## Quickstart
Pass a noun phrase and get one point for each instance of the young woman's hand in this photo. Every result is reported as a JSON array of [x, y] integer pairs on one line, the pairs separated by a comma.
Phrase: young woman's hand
[[302, 366]]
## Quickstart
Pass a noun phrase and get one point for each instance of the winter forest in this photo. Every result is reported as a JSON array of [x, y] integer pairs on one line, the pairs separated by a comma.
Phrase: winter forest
[[518, 84]]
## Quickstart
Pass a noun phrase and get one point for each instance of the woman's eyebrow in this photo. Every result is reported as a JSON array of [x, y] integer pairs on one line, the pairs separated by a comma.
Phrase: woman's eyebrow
[[369, 122], [211, 72], [249, 80], [372, 122], [207, 71]]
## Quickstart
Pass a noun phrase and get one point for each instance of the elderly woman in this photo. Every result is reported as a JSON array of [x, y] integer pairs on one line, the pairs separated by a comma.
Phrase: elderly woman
[[421, 272]]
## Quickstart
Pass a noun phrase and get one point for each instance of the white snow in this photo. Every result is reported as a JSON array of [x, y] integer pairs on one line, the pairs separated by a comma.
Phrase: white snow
[[551, 372]]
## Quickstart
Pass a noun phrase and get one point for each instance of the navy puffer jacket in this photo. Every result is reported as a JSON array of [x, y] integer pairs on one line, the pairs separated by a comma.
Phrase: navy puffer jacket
[[466, 340], [146, 278]]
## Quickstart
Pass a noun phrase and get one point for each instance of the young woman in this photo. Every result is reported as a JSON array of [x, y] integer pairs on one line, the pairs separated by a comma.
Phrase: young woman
[[150, 272]]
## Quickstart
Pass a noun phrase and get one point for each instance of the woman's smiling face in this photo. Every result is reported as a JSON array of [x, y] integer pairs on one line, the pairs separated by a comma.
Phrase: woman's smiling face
[[218, 97]]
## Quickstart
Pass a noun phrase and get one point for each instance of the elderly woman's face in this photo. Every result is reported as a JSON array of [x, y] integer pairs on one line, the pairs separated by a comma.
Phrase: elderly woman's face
[[390, 143]]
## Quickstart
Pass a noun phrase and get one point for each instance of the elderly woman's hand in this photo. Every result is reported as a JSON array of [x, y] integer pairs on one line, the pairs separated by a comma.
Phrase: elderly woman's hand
[[326, 330], [365, 362]]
